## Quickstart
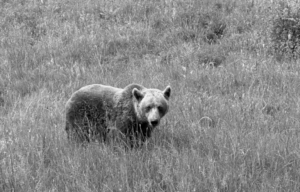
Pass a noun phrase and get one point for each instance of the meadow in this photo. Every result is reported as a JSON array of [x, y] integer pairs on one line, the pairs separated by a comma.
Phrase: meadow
[[233, 123]]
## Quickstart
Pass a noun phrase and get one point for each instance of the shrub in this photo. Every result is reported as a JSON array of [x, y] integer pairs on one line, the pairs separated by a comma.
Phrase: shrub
[[286, 33]]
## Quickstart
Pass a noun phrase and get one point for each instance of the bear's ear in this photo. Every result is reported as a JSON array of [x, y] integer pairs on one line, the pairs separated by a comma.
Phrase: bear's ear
[[167, 92], [137, 94]]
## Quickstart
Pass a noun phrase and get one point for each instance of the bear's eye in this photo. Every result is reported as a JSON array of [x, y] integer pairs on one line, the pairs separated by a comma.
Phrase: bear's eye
[[148, 108], [160, 109]]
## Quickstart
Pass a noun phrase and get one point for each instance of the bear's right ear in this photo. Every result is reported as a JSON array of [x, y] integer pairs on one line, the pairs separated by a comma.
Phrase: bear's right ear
[[137, 94], [167, 92]]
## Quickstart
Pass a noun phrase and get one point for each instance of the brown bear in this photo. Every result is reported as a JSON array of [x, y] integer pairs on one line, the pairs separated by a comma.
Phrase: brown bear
[[134, 111]]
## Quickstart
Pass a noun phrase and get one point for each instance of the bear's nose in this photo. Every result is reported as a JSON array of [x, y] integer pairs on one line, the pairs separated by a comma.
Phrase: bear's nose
[[154, 123]]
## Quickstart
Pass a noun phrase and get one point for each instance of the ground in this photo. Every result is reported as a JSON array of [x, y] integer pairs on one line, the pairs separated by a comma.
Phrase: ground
[[233, 123]]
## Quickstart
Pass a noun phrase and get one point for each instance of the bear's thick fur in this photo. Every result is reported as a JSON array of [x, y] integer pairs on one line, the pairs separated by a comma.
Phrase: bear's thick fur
[[134, 111]]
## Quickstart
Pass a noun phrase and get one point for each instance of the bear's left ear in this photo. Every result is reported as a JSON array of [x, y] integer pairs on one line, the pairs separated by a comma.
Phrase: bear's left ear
[[137, 94], [167, 92]]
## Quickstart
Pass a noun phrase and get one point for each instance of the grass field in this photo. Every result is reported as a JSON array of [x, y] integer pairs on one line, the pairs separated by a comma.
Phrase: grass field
[[233, 123]]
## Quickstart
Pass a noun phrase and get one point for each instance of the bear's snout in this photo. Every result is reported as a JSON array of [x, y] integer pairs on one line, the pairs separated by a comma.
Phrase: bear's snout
[[154, 123], [153, 117]]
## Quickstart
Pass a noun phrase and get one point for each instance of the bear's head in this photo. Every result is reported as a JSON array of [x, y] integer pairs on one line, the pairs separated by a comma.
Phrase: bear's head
[[151, 104]]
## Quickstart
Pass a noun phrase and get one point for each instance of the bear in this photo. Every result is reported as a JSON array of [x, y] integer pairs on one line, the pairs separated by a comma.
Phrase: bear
[[94, 110]]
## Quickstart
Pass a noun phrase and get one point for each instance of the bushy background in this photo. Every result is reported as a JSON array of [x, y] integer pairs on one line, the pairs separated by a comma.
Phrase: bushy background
[[233, 67]]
